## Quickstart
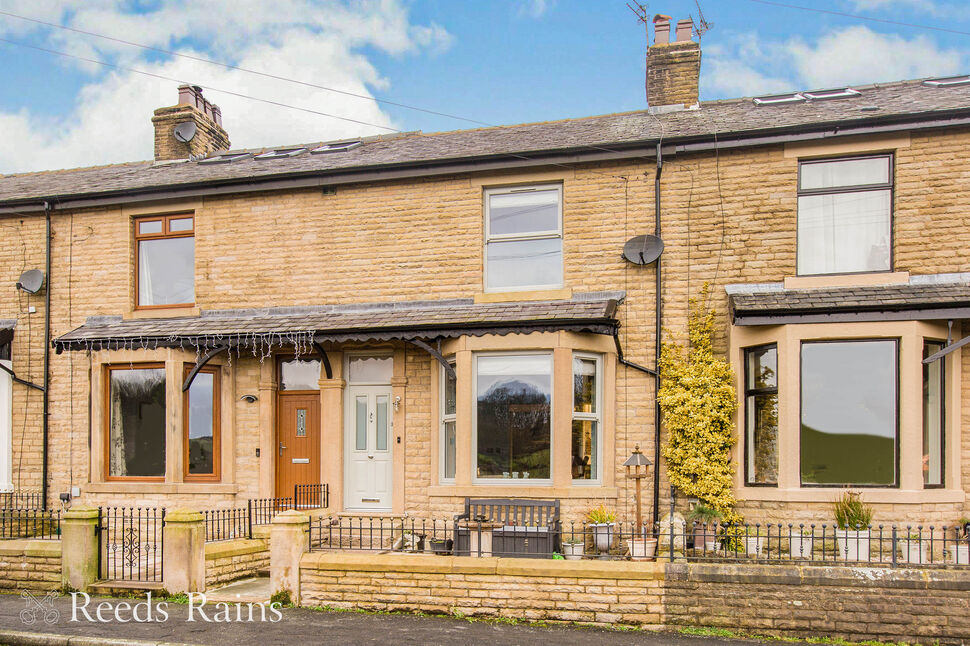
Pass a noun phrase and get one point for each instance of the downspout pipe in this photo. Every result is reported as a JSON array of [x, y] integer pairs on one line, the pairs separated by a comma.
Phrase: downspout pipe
[[659, 311], [48, 207]]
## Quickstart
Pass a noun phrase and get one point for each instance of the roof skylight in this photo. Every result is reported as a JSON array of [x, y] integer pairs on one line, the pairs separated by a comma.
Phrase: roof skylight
[[840, 93], [337, 147], [225, 158], [947, 81], [776, 99], [280, 152]]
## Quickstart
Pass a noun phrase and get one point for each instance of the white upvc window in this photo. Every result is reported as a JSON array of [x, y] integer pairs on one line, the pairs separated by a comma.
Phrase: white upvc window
[[513, 420], [6, 421], [449, 406], [587, 426], [523, 238]]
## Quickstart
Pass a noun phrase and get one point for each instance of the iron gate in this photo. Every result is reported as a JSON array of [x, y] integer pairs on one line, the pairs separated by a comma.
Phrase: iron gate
[[131, 545]]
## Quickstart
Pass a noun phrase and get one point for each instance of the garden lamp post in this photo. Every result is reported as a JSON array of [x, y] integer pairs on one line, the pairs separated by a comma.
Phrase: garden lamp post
[[637, 466]]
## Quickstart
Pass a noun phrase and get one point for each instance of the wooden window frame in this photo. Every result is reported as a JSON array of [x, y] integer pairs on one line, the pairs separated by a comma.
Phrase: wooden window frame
[[106, 437], [596, 416], [216, 475], [166, 233]]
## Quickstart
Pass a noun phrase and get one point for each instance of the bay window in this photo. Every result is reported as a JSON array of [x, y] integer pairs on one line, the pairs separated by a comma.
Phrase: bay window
[[761, 415], [849, 403], [449, 407], [934, 407], [513, 417], [586, 426], [201, 425]]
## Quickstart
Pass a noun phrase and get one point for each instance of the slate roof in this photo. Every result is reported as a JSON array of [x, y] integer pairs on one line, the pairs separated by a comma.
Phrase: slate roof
[[916, 299], [904, 100], [594, 312]]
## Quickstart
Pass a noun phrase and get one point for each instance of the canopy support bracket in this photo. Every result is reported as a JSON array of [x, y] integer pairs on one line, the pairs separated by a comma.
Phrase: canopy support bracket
[[437, 355], [200, 364], [17, 379], [325, 359]]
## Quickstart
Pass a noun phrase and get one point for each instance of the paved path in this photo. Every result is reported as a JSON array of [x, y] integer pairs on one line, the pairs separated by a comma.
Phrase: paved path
[[300, 627]]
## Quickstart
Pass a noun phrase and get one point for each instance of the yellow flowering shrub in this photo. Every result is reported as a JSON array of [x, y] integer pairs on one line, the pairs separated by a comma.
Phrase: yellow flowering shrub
[[698, 401]]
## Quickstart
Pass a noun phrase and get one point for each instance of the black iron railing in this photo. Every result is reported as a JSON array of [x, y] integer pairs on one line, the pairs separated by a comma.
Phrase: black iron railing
[[30, 523], [132, 546], [888, 546], [228, 524], [21, 500]]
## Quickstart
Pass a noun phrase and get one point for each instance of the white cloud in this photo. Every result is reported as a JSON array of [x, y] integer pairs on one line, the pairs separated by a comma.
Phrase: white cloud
[[745, 66], [110, 121], [927, 6], [535, 8]]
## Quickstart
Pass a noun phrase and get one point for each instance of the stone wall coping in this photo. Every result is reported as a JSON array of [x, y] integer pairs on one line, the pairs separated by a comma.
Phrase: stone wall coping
[[183, 516], [818, 575], [30, 547], [262, 531], [291, 517], [81, 513], [236, 547], [434, 564]]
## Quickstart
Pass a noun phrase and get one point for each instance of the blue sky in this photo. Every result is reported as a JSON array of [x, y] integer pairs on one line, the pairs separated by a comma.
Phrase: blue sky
[[498, 62]]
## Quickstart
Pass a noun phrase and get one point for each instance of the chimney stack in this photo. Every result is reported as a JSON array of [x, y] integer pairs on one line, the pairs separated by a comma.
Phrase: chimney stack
[[673, 68], [208, 137]]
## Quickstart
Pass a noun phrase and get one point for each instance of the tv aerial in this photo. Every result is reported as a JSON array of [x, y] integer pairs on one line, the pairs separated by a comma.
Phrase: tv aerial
[[701, 26], [185, 131], [643, 250]]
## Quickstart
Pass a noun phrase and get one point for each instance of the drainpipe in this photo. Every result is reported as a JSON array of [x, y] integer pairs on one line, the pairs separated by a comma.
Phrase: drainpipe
[[47, 351], [659, 310]]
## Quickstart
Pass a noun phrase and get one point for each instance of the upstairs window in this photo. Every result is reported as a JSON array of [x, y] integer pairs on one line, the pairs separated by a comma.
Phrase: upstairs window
[[165, 261], [523, 238], [845, 215]]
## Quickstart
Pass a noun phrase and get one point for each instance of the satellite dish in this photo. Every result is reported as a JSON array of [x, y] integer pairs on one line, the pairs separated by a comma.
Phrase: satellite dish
[[185, 131], [31, 281], [643, 250]]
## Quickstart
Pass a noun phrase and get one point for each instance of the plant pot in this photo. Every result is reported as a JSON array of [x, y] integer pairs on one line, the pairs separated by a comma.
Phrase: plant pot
[[602, 535], [573, 551], [959, 554], [916, 551], [753, 544], [801, 546], [440, 545], [643, 549], [853, 544], [704, 538]]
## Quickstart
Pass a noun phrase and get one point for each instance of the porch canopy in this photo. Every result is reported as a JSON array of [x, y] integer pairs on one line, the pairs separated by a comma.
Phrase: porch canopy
[[922, 298], [261, 331]]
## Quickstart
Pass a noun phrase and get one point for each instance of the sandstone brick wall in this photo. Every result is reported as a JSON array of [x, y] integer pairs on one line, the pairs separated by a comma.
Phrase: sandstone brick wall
[[914, 606], [227, 561], [30, 565], [727, 218], [605, 593]]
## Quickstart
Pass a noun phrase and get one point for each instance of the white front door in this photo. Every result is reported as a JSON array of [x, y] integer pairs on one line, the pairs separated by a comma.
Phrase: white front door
[[368, 441]]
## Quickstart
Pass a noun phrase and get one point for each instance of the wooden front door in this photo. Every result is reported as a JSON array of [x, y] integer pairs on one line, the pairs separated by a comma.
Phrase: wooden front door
[[297, 442]]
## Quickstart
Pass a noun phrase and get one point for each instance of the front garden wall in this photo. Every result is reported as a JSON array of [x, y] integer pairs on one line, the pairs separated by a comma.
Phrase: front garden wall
[[30, 565], [227, 561]]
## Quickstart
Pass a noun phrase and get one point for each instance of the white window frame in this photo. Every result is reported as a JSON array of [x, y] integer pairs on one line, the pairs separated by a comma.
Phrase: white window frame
[[532, 235], [514, 482], [6, 425], [443, 418], [596, 417]]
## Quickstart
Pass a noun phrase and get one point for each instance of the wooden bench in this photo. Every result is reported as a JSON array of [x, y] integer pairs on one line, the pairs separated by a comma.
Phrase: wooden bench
[[528, 528]]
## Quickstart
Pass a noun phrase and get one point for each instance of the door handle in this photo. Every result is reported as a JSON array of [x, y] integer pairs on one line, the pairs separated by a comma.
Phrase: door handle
[[282, 447], [370, 457]]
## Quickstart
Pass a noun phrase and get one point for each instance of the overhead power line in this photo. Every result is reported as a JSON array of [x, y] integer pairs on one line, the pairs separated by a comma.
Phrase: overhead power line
[[228, 66], [844, 14], [205, 87]]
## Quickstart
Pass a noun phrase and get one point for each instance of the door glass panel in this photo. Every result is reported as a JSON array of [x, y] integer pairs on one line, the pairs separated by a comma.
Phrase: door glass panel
[[372, 370], [361, 443], [300, 374], [301, 422], [382, 423]]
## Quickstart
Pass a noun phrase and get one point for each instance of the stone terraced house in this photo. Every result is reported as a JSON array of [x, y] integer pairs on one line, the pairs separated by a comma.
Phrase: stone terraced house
[[417, 318]]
